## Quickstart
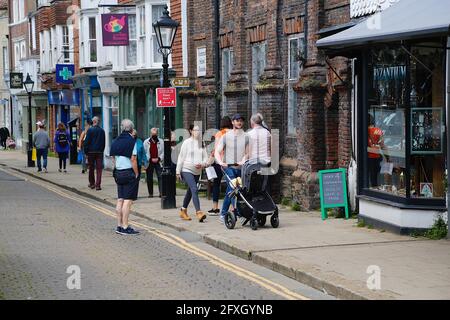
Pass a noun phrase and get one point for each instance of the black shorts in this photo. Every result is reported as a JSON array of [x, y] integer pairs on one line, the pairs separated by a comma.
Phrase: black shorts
[[127, 184]]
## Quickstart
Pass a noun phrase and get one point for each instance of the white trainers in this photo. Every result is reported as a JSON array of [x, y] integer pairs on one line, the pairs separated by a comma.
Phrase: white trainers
[[222, 219]]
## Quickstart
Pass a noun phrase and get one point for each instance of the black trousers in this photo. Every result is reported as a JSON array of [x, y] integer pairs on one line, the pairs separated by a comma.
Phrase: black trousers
[[153, 167]]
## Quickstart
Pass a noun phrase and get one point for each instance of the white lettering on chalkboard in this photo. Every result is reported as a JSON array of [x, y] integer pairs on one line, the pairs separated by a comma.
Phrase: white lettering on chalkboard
[[332, 187]]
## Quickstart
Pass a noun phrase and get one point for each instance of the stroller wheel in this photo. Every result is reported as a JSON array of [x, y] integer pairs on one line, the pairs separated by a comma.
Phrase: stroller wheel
[[230, 220], [254, 224], [261, 220], [274, 221]]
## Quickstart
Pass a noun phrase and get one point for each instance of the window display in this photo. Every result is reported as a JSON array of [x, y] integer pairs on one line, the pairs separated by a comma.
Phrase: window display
[[386, 150], [405, 119]]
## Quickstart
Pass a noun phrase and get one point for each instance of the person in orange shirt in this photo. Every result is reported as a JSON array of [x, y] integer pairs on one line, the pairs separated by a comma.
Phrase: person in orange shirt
[[375, 148], [225, 125]]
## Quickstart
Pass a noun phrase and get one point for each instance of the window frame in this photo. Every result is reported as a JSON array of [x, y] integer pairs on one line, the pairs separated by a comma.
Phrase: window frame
[[229, 52], [255, 77], [130, 40], [92, 41], [292, 106]]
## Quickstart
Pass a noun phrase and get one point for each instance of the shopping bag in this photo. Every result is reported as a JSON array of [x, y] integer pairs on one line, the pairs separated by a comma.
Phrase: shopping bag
[[33, 155], [211, 173], [79, 157], [386, 167]]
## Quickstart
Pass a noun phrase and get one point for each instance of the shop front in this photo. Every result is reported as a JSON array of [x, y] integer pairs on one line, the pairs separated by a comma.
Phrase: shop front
[[401, 105], [90, 96], [137, 101], [63, 106]]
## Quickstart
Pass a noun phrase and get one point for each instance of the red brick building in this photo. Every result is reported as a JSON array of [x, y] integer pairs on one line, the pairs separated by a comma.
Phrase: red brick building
[[266, 60]]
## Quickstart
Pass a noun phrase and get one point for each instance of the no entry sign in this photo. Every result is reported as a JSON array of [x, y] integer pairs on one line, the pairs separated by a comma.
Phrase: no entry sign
[[166, 97]]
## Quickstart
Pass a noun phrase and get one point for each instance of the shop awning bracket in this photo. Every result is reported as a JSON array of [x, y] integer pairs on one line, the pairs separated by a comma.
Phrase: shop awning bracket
[[335, 72]]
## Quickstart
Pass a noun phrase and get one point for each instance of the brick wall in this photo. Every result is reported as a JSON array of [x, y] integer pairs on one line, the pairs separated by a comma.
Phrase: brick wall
[[323, 111]]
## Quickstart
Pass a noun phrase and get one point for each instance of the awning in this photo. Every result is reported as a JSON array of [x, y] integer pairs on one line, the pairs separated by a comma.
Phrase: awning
[[406, 19]]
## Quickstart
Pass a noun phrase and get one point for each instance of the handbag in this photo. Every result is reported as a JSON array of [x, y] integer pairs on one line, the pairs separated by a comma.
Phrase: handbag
[[33, 155]]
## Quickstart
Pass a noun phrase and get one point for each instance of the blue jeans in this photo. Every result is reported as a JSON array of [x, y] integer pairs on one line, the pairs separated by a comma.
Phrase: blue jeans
[[232, 174], [41, 153]]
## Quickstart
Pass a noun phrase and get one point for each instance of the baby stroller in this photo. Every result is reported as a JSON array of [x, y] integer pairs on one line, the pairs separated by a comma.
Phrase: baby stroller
[[253, 202]]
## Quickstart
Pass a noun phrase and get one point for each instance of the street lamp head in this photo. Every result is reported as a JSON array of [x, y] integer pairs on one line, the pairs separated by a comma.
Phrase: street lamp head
[[28, 84], [165, 29]]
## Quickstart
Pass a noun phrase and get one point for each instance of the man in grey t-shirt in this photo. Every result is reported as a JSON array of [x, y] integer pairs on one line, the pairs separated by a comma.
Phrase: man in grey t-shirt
[[41, 142], [235, 146]]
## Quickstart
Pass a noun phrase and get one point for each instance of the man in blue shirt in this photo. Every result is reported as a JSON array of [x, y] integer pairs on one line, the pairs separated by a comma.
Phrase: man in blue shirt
[[124, 153]]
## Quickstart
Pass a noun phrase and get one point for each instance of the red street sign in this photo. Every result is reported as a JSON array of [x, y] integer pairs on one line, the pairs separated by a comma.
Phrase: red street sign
[[166, 97]]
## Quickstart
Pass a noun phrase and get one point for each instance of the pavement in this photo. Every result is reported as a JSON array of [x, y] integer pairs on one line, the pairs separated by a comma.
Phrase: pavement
[[334, 256]]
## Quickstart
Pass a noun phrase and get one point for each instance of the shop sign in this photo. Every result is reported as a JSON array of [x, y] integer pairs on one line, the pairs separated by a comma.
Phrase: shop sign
[[180, 82], [201, 62], [333, 190], [426, 190], [64, 73], [16, 80], [115, 29], [166, 97]]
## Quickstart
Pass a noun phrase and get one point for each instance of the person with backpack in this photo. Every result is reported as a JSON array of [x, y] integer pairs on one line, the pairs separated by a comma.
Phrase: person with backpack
[[62, 145]]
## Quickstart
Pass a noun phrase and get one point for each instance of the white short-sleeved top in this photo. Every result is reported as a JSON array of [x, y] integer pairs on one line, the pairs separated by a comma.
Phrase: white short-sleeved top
[[123, 163]]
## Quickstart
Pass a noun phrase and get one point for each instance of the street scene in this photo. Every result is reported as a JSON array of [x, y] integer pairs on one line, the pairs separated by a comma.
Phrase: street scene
[[224, 150]]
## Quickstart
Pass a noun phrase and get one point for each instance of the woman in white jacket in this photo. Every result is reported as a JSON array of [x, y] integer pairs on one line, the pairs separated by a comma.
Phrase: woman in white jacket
[[191, 161]]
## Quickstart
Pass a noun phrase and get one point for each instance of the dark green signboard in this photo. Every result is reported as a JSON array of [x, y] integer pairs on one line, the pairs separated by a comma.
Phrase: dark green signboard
[[333, 190]]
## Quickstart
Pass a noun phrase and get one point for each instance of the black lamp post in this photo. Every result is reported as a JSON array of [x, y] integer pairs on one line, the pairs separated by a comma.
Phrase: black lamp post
[[29, 84], [166, 29]]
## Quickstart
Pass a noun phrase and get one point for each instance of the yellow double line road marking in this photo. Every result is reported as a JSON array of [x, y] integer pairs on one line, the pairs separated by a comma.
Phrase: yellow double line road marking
[[181, 243]]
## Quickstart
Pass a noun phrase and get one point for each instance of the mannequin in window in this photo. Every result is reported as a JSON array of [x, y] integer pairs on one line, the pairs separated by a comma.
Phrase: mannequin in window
[[374, 151]]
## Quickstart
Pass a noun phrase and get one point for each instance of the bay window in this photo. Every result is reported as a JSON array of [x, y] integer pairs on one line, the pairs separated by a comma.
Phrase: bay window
[[92, 51], [132, 45], [157, 12], [142, 35]]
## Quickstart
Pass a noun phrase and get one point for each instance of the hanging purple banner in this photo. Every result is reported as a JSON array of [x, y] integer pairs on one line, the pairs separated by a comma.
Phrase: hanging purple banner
[[115, 29]]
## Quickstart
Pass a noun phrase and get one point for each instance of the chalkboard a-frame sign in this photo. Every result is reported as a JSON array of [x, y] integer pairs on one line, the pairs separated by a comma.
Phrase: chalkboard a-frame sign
[[333, 191]]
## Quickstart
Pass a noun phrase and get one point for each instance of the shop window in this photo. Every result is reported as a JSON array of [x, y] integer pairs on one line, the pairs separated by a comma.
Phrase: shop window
[[258, 64], [427, 100], [113, 118], [405, 145], [227, 67], [132, 45]]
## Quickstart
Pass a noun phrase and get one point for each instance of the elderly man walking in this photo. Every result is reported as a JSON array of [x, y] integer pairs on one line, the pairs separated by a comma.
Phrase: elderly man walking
[[124, 153], [94, 146]]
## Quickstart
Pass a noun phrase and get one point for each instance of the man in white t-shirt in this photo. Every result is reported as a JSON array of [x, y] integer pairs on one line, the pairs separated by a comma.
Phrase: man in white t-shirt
[[259, 141]]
